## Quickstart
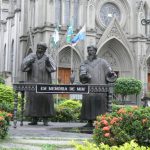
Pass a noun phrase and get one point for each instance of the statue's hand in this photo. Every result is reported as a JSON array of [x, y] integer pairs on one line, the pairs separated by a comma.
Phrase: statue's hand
[[47, 62], [111, 76], [31, 59], [85, 78]]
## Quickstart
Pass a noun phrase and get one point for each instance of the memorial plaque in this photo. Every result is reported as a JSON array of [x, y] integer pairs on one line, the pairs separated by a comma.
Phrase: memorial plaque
[[59, 89]]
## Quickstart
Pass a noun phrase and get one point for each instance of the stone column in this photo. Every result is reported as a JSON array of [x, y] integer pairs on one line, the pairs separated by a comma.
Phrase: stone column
[[50, 12], [63, 23], [18, 5], [81, 13], [22, 40], [91, 15], [17, 48], [71, 10]]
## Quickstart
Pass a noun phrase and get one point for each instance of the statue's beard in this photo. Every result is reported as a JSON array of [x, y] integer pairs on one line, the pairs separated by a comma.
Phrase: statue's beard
[[91, 57], [39, 55]]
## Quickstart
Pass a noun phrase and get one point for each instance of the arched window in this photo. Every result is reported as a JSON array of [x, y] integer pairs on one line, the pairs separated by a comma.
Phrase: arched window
[[76, 13], [67, 12], [58, 10]]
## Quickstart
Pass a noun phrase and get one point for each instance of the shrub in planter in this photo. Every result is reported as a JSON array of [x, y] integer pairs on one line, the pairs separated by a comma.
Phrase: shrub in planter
[[68, 110], [72, 104], [127, 86], [122, 126], [4, 123], [132, 145]]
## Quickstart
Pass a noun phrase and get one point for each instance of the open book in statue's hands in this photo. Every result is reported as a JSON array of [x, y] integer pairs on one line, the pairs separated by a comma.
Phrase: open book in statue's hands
[[85, 78]]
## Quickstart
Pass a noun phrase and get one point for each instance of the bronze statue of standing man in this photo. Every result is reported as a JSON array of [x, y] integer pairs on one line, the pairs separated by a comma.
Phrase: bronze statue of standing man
[[39, 67], [94, 71]]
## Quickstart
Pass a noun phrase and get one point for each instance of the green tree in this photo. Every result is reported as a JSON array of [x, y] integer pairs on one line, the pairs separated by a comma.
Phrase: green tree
[[127, 86]]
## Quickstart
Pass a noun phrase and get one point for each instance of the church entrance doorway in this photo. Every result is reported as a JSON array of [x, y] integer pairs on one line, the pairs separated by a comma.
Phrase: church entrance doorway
[[64, 78]]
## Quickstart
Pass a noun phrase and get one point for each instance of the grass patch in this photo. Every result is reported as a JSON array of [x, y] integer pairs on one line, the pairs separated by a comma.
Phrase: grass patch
[[49, 147], [1, 148], [55, 147]]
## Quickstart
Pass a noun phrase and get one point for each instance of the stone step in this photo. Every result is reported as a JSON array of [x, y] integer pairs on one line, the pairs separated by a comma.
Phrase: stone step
[[37, 144], [10, 146], [38, 137]]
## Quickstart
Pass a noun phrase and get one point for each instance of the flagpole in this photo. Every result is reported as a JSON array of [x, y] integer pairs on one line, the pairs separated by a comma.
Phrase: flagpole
[[71, 58], [56, 39], [72, 77], [57, 59], [57, 67]]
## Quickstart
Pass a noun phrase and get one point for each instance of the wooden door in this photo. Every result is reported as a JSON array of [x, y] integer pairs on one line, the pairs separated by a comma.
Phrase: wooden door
[[64, 78], [64, 75]]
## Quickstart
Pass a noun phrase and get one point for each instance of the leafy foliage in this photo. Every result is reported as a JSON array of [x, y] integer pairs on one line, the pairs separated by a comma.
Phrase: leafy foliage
[[6, 106], [6, 93], [123, 125], [127, 86], [6, 98], [2, 81], [68, 110], [132, 145], [4, 123], [49, 147]]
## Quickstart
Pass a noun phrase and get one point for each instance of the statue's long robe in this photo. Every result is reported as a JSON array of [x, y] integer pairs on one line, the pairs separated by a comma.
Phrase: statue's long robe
[[94, 104], [38, 105]]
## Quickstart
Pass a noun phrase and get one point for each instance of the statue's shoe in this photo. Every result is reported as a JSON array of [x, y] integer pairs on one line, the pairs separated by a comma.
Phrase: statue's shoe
[[45, 123], [32, 123], [89, 125]]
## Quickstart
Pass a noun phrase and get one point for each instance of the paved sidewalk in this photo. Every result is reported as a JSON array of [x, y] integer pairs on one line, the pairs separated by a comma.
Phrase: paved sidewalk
[[34, 137]]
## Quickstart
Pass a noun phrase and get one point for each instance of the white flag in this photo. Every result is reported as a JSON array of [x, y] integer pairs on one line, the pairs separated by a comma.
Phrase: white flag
[[80, 36], [56, 36]]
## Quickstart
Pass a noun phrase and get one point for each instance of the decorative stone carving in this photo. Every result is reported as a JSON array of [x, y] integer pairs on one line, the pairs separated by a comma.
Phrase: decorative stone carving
[[140, 16], [140, 6], [109, 57], [65, 60], [92, 2], [114, 32]]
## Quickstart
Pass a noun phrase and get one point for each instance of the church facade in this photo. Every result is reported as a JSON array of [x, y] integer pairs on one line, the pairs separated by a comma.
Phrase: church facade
[[113, 26]]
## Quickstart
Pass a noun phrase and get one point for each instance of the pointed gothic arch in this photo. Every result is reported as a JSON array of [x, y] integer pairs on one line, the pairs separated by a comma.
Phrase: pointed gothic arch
[[65, 57], [73, 48], [64, 63], [118, 56]]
